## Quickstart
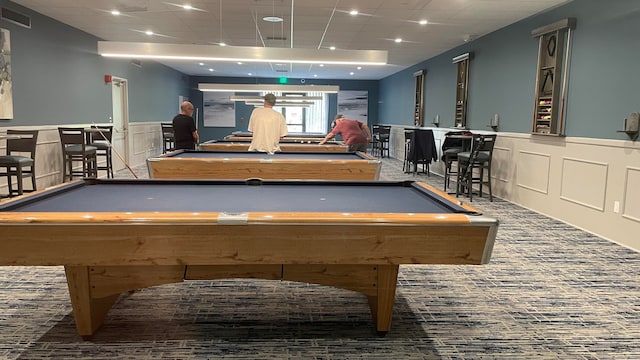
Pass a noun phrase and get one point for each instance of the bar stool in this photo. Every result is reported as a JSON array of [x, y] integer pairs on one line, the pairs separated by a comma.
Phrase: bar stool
[[383, 140], [406, 165], [75, 149], [423, 150], [454, 143], [100, 137], [168, 138], [20, 166], [375, 135], [479, 159]]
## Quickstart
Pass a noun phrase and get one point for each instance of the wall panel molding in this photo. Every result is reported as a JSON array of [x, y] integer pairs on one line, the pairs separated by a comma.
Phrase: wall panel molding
[[584, 182], [532, 171], [631, 194]]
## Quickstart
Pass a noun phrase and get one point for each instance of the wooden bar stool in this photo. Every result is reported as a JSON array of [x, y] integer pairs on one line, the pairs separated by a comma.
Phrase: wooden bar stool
[[75, 149], [100, 137], [168, 138], [473, 165], [20, 159]]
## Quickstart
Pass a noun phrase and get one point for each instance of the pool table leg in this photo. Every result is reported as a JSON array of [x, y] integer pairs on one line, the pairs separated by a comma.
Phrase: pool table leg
[[89, 313], [382, 304]]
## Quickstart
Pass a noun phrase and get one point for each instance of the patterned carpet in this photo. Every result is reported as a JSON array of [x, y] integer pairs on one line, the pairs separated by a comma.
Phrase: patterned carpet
[[551, 291]]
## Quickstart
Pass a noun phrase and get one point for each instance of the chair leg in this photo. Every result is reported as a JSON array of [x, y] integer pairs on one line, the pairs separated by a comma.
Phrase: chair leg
[[19, 178], [489, 182], [68, 166], [481, 181], [470, 183], [9, 185], [458, 180], [446, 172], [109, 165]]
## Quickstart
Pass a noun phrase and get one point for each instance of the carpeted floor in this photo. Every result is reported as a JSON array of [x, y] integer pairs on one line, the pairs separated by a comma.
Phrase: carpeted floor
[[551, 291]]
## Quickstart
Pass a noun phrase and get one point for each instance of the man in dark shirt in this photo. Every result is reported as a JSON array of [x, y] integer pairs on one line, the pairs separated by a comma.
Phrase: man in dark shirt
[[184, 128]]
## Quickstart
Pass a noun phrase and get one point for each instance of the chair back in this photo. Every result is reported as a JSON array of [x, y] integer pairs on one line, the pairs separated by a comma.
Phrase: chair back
[[385, 131], [102, 133], [167, 129], [408, 134], [451, 141], [73, 141], [482, 147], [375, 131], [26, 143]]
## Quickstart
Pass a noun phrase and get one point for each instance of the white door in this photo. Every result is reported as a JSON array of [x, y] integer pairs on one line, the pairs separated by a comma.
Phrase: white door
[[120, 140]]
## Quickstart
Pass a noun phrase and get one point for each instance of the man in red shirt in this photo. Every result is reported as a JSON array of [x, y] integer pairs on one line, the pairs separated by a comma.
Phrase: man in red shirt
[[354, 133]]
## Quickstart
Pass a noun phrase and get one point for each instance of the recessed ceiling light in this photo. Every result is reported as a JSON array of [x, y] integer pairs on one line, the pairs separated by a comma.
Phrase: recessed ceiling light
[[149, 32], [353, 12], [187, 7], [249, 74], [239, 62], [210, 69], [352, 73], [423, 22], [223, 44], [315, 75], [273, 19], [115, 12], [201, 64], [398, 40], [332, 47], [359, 68], [321, 65]]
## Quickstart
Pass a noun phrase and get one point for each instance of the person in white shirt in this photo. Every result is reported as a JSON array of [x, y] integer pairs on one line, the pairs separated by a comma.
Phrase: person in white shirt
[[268, 127]]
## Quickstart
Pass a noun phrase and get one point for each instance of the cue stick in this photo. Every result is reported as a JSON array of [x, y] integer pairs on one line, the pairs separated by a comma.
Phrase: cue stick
[[564, 81], [115, 151], [197, 145]]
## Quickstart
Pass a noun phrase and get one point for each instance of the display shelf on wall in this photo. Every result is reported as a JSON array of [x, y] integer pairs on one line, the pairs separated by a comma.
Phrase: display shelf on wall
[[551, 76], [418, 107]]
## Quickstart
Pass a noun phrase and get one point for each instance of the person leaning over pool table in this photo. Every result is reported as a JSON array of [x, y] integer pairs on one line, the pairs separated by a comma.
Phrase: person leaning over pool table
[[354, 133]]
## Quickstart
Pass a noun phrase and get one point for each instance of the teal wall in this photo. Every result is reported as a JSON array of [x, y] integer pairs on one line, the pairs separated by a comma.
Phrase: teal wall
[[58, 77], [603, 81]]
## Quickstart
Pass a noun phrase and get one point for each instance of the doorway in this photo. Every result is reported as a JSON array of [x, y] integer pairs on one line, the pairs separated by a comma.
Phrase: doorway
[[120, 121]]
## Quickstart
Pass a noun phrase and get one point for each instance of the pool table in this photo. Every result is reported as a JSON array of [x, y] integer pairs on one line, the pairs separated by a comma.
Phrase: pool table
[[138, 233], [292, 134], [331, 146], [241, 165], [285, 140]]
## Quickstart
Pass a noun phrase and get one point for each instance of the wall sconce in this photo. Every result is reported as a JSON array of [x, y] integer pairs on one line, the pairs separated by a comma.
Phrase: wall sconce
[[631, 126], [494, 122], [436, 120]]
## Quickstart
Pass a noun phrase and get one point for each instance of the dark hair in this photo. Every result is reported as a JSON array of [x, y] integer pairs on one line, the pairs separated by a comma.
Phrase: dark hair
[[270, 99]]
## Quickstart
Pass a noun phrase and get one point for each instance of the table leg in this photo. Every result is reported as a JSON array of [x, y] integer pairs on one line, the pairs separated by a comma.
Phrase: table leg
[[382, 304], [94, 289], [89, 313]]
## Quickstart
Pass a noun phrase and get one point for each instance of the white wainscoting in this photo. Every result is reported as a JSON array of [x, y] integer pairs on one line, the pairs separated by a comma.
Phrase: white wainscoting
[[631, 204], [145, 141], [580, 181]]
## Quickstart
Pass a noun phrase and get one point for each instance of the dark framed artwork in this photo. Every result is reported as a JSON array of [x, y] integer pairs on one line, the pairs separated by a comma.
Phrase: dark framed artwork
[[6, 95]]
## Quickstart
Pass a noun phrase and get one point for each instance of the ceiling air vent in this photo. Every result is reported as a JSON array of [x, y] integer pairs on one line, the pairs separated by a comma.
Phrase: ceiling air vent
[[15, 17]]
